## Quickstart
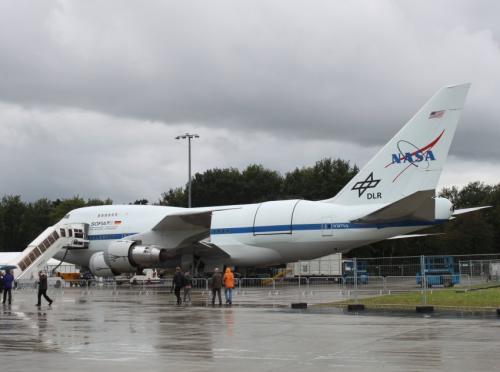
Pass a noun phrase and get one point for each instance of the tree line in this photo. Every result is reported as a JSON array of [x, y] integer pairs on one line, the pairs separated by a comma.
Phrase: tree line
[[257, 184], [21, 222], [479, 232]]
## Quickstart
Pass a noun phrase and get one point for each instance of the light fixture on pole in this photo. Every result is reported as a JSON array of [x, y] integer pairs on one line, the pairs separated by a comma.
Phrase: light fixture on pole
[[189, 136]]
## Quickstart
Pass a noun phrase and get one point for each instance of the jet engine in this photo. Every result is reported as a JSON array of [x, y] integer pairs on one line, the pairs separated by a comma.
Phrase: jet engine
[[443, 208], [125, 256], [98, 266]]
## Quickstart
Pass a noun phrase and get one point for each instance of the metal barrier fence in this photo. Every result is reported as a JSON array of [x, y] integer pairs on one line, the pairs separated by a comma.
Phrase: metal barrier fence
[[320, 283], [260, 291], [473, 265], [375, 276]]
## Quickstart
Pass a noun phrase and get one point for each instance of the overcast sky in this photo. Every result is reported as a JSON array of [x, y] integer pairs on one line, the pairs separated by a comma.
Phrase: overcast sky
[[92, 93]]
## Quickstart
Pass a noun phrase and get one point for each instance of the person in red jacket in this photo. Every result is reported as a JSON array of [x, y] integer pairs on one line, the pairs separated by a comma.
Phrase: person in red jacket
[[228, 286]]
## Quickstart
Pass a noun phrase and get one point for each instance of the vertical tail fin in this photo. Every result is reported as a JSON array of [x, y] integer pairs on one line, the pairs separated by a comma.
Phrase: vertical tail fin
[[413, 159]]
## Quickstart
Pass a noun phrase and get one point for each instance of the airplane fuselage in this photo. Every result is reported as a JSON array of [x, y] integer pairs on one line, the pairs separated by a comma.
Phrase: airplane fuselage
[[253, 234]]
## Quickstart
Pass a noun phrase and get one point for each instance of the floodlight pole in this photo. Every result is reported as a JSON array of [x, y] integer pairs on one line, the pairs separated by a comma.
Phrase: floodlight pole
[[189, 137]]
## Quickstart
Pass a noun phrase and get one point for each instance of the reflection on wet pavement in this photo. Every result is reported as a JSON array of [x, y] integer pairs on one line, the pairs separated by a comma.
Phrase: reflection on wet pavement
[[131, 332]]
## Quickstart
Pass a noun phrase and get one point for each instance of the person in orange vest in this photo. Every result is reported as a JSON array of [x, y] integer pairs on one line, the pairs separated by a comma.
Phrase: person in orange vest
[[228, 286]]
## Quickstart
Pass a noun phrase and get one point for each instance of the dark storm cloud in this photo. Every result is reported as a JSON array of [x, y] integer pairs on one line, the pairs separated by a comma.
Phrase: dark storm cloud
[[346, 72]]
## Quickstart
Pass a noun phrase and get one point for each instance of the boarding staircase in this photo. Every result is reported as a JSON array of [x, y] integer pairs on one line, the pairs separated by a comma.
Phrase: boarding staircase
[[34, 258]]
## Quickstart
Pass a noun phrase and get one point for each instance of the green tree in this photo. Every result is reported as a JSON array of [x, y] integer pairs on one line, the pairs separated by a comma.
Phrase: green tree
[[141, 202], [322, 181], [62, 207], [36, 219], [96, 202], [260, 184], [12, 211], [174, 198], [217, 187]]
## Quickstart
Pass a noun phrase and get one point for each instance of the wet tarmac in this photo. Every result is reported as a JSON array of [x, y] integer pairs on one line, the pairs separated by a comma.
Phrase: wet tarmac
[[130, 332]]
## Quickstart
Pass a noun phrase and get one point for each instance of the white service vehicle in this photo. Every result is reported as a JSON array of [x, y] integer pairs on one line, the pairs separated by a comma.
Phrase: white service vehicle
[[330, 265]]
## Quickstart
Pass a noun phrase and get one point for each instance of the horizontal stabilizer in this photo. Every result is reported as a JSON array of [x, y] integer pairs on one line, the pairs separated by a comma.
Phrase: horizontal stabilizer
[[412, 236], [468, 210], [418, 206]]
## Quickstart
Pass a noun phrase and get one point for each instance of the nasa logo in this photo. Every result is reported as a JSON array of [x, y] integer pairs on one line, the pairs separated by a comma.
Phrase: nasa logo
[[416, 156]]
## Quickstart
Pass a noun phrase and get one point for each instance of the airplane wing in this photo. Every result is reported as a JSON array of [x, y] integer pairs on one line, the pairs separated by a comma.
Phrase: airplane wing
[[189, 219], [188, 226], [187, 231]]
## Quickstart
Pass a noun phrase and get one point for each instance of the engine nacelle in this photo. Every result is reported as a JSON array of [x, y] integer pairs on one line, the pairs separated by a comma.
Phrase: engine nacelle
[[98, 266], [125, 256], [145, 256], [444, 208]]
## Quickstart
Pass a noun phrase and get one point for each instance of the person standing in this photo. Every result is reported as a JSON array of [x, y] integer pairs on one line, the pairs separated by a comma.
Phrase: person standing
[[216, 286], [42, 289], [188, 280], [178, 282], [8, 279], [228, 286]]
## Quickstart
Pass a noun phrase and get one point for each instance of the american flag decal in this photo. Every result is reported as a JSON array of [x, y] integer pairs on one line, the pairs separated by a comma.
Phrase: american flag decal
[[436, 114]]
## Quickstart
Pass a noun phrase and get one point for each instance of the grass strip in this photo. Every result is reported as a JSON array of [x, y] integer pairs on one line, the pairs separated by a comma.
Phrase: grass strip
[[485, 298]]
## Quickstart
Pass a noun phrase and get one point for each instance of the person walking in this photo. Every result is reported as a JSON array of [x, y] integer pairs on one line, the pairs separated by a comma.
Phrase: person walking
[[42, 289], [1, 282], [8, 279], [188, 280], [228, 286], [178, 282], [216, 286]]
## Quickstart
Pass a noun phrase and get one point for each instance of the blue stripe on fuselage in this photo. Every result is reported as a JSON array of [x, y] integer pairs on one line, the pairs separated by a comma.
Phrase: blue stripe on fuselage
[[318, 226], [287, 228], [110, 236]]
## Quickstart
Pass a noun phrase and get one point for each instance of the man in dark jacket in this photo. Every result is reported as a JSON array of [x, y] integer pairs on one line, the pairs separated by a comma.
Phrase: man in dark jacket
[[216, 285], [42, 289], [178, 282], [1, 282], [8, 279]]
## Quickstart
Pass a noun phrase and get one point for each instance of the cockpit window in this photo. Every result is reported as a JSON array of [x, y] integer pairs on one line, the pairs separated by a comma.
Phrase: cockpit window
[[67, 216]]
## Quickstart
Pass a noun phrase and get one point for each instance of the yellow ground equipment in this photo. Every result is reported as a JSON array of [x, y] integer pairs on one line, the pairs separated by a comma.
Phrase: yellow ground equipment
[[72, 278]]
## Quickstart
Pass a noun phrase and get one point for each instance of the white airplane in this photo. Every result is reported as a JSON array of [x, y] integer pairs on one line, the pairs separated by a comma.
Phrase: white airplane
[[394, 194]]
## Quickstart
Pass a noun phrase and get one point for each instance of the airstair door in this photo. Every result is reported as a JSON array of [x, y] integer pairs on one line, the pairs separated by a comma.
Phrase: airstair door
[[46, 245], [274, 217]]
